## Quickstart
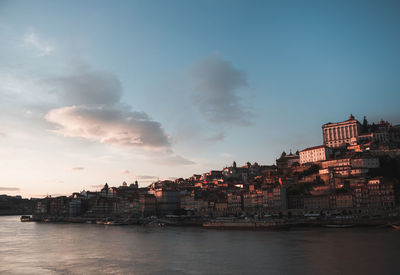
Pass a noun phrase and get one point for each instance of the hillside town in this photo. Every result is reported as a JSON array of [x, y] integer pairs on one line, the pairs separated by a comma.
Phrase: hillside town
[[354, 175]]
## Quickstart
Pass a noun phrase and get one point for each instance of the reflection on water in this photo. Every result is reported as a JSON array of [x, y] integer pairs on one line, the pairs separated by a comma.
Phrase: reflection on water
[[35, 248]]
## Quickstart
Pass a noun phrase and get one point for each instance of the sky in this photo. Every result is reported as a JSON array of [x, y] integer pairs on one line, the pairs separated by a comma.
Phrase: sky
[[111, 91]]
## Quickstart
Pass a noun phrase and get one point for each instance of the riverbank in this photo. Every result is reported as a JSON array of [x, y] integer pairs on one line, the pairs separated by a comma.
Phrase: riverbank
[[232, 223]]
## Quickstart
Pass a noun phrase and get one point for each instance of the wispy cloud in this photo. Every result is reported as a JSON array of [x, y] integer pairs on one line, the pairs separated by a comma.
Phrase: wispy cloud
[[216, 137], [41, 47], [146, 177], [11, 189], [174, 159], [125, 171], [97, 186], [226, 155], [216, 84], [53, 181], [77, 168], [2, 135]]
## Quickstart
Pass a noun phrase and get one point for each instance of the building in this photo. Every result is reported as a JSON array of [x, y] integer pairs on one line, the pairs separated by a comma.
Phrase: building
[[147, 204], [342, 200], [279, 197], [314, 154], [340, 162], [317, 202], [287, 161], [234, 203], [74, 207], [365, 162], [168, 200], [188, 202], [341, 133], [252, 201]]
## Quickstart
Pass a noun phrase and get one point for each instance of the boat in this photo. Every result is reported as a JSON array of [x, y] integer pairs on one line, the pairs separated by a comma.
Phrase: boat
[[115, 223], [156, 223], [339, 225], [26, 218], [271, 225], [395, 226]]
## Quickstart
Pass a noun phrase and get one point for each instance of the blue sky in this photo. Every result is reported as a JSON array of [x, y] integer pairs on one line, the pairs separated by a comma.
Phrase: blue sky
[[107, 91]]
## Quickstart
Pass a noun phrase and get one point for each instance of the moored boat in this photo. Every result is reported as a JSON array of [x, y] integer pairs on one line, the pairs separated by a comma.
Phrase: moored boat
[[26, 218], [339, 225], [115, 223], [395, 226], [271, 225]]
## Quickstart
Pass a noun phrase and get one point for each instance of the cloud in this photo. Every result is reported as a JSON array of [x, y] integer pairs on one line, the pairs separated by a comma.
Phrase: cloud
[[92, 109], [87, 87], [113, 126], [95, 112], [125, 172], [54, 180], [174, 159], [145, 177], [97, 186], [216, 84], [14, 189], [2, 135], [42, 48], [77, 168], [215, 138], [226, 155]]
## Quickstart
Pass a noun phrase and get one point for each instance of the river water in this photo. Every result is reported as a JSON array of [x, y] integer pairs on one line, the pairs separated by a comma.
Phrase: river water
[[51, 248]]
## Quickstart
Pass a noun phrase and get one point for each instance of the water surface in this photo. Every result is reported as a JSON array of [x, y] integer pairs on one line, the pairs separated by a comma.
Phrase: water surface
[[49, 248]]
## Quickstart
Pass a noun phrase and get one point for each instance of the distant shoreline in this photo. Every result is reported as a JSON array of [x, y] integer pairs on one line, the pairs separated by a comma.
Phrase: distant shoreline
[[16, 214], [235, 223]]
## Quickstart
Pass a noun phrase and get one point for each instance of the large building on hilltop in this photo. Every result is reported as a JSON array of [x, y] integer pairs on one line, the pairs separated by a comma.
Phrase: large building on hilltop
[[341, 133]]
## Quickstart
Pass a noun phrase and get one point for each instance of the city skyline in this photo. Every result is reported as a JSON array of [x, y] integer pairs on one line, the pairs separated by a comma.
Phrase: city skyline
[[99, 92]]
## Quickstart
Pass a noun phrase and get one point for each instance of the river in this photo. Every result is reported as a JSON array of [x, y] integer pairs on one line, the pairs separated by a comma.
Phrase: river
[[56, 248]]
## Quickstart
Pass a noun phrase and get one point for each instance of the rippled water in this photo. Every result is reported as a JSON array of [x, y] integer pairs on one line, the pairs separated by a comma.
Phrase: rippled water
[[45, 248]]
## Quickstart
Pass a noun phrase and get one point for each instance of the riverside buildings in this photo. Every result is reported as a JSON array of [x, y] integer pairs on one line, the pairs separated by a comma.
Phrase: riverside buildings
[[352, 172]]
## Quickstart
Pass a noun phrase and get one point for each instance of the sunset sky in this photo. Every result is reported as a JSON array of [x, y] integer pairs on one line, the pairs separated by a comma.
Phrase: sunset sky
[[112, 91]]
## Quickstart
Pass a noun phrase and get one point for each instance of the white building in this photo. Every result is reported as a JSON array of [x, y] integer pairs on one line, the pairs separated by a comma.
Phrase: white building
[[341, 133], [314, 154]]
